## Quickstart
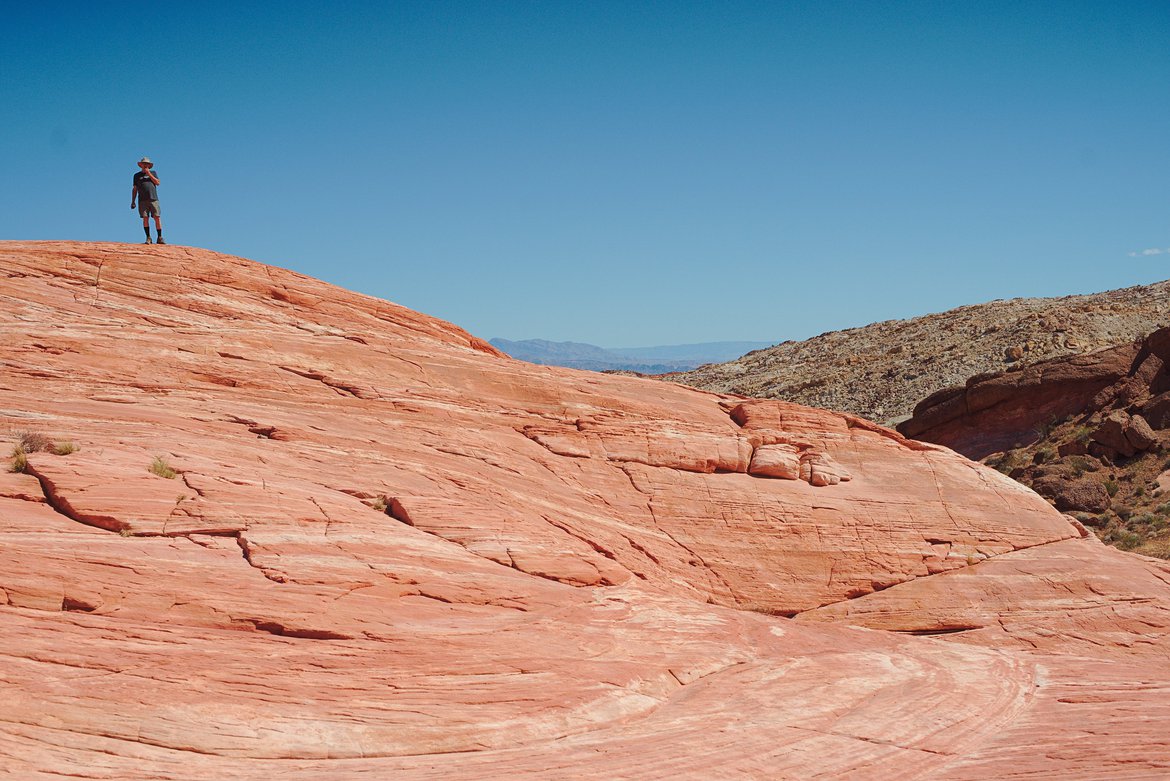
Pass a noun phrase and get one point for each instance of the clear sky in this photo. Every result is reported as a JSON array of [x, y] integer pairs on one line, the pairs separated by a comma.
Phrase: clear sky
[[621, 173]]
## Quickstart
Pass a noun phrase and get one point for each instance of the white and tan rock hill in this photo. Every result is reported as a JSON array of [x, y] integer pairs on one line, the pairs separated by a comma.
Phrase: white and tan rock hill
[[266, 528], [881, 371]]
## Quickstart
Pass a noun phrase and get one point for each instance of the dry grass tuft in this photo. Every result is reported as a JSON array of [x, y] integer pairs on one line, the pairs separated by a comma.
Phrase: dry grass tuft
[[160, 467]]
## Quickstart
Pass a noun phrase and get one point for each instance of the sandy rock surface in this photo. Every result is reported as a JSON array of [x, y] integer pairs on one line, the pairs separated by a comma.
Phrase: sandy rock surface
[[389, 551]]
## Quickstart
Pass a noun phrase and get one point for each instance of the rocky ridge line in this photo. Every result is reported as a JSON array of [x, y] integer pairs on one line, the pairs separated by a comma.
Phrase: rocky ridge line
[[881, 371]]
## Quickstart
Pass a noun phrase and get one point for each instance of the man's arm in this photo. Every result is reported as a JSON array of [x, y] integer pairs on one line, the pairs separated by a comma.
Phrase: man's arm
[[153, 178], [133, 194]]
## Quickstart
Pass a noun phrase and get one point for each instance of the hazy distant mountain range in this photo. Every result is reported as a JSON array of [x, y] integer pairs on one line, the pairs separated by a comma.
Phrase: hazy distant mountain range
[[648, 360]]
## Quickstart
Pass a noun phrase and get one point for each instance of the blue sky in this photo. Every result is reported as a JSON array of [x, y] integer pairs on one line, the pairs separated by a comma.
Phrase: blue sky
[[617, 173]]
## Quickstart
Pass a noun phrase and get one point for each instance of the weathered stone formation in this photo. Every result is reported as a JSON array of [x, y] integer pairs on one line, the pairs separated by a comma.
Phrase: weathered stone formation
[[263, 527], [1126, 388]]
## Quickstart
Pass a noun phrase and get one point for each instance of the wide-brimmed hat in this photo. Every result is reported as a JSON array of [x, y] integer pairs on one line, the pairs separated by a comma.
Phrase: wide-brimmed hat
[[147, 161]]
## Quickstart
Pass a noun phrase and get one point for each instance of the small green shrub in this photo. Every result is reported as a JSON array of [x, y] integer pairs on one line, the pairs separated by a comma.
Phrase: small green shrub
[[1082, 464], [160, 467], [1111, 487], [1045, 454], [1009, 461], [1126, 540]]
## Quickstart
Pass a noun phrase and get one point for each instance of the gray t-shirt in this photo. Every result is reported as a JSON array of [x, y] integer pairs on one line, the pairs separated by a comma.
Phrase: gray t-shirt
[[146, 189]]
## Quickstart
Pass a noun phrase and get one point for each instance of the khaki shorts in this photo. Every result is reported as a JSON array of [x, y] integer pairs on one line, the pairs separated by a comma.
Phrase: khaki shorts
[[148, 209]]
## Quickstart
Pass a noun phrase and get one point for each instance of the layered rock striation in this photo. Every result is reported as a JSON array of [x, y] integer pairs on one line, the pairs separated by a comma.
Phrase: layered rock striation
[[258, 525]]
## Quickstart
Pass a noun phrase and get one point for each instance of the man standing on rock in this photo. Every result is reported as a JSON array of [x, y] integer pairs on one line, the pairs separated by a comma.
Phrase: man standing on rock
[[145, 184]]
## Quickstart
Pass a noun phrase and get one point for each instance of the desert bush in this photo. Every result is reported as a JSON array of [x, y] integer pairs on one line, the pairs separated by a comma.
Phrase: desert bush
[[379, 504], [1125, 540], [35, 442], [160, 467], [64, 448], [1045, 454], [1043, 430], [1009, 461], [1111, 487], [19, 460]]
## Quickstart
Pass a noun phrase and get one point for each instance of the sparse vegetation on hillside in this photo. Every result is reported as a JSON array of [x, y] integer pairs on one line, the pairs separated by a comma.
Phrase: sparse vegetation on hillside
[[1118, 497], [28, 442], [881, 371]]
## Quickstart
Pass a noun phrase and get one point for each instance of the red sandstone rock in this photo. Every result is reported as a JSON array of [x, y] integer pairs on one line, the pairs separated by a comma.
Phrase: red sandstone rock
[[778, 460], [388, 551], [1003, 411]]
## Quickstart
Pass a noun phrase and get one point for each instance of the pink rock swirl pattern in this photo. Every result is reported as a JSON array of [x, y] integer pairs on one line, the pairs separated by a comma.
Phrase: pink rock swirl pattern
[[389, 551]]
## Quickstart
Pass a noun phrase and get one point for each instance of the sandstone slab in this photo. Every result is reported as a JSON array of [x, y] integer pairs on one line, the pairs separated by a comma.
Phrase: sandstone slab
[[389, 551]]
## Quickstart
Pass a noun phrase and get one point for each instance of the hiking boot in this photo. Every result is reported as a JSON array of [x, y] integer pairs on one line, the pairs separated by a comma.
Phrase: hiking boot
[[148, 241], [160, 240]]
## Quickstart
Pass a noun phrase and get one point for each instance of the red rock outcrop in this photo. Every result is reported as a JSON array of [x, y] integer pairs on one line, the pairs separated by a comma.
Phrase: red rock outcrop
[[1090, 434], [994, 412], [387, 550]]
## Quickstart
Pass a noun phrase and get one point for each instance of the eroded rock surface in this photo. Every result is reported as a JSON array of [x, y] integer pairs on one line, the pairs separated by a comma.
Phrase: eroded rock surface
[[388, 551]]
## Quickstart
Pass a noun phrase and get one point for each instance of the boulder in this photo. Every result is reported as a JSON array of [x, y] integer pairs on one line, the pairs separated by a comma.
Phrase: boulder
[[1156, 411], [1139, 433], [1111, 434], [780, 460], [1070, 495]]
